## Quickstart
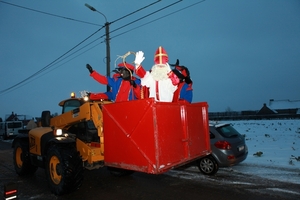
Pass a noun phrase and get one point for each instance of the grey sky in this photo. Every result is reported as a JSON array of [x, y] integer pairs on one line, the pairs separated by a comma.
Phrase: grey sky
[[240, 53]]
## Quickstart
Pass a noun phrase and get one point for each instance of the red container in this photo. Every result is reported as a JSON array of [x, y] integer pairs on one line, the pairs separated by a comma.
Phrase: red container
[[153, 137]]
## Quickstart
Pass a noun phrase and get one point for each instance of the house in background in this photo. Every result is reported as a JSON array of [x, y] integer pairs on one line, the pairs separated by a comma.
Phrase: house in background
[[12, 117], [280, 107]]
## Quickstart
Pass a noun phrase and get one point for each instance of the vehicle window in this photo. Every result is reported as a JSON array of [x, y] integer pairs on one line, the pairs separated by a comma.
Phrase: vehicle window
[[211, 136], [228, 131], [71, 105], [91, 125], [14, 125]]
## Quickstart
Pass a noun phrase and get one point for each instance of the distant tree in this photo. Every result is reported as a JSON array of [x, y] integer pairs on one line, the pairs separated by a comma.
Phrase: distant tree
[[228, 109], [1, 119]]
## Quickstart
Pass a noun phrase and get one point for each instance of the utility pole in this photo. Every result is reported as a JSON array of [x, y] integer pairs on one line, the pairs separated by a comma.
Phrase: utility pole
[[107, 39], [107, 51]]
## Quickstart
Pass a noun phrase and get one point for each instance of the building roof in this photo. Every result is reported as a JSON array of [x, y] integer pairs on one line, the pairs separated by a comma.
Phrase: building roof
[[284, 104]]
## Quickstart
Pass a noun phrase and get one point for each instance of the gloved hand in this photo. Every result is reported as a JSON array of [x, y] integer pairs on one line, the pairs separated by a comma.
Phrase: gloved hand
[[139, 57], [175, 80], [89, 67]]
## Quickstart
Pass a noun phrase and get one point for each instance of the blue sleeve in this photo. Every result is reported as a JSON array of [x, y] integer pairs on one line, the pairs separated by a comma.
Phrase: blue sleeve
[[186, 93]]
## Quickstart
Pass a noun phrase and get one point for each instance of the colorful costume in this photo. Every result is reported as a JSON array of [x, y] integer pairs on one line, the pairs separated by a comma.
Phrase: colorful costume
[[122, 89], [184, 90], [161, 81]]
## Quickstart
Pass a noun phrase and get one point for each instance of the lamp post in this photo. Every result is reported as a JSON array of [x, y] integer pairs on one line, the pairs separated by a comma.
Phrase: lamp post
[[107, 42]]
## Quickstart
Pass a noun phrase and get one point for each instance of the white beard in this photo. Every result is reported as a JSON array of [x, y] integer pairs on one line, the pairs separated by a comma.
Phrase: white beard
[[160, 72]]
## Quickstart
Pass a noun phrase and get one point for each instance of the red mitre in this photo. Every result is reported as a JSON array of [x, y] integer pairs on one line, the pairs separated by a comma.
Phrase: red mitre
[[161, 56]]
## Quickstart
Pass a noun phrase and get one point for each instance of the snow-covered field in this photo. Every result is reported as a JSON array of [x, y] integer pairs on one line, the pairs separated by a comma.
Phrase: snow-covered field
[[274, 148], [277, 140]]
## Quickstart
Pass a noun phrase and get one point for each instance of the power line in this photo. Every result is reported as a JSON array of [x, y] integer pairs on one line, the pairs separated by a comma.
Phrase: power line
[[47, 66], [147, 15], [157, 19], [22, 83], [135, 11], [68, 18], [34, 78], [56, 60]]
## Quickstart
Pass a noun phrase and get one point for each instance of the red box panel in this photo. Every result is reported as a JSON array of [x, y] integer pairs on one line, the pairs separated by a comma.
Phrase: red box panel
[[153, 137]]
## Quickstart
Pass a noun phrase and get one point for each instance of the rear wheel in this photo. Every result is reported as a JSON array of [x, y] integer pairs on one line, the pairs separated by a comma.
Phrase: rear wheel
[[64, 169], [208, 165], [21, 160]]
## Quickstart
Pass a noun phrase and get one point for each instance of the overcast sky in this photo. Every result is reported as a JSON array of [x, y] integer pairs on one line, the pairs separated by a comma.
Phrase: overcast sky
[[240, 53]]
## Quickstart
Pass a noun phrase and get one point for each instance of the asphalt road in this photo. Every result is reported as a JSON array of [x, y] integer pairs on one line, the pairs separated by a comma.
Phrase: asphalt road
[[184, 183]]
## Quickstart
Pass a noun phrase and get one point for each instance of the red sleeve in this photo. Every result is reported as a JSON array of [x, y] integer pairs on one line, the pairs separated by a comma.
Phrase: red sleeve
[[100, 78], [145, 92], [175, 80], [137, 92], [141, 92], [98, 96], [140, 71], [190, 87]]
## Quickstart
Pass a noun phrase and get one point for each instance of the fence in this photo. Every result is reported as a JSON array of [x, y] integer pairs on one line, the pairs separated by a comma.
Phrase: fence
[[220, 116]]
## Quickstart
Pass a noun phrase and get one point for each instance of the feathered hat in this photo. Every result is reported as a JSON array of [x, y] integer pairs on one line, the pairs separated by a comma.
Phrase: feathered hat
[[182, 72]]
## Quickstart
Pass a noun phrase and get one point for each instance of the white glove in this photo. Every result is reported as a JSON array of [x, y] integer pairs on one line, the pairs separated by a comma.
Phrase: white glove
[[139, 57]]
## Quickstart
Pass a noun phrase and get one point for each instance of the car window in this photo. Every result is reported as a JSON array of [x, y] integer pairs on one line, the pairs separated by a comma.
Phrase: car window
[[211, 135], [228, 131], [14, 125], [71, 105]]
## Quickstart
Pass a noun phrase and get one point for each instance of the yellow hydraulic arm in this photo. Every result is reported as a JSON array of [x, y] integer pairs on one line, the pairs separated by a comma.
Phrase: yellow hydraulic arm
[[91, 152]]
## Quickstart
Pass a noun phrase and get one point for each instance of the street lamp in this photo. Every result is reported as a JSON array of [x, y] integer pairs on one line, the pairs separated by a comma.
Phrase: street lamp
[[107, 42]]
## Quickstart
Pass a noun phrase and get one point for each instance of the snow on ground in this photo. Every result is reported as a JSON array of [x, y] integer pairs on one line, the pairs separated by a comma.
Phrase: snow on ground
[[274, 148], [278, 140]]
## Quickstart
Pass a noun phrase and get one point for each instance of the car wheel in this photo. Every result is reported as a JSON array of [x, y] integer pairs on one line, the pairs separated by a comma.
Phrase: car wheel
[[208, 165]]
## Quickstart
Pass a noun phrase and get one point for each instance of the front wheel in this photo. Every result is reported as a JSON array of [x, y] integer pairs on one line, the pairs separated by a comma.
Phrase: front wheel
[[64, 169], [21, 159], [208, 165]]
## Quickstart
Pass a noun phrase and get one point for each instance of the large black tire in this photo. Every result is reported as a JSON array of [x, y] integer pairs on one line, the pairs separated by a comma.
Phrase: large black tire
[[119, 172], [64, 169], [21, 159], [208, 165]]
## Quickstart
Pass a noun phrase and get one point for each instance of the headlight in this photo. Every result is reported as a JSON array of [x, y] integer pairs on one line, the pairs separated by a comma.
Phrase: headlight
[[58, 132], [86, 98]]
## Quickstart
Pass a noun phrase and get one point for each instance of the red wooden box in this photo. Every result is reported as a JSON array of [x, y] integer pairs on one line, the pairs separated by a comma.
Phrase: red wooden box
[[153, 137]]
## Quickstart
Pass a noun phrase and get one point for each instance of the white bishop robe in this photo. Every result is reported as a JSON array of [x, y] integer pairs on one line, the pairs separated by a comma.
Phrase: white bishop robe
[[165, 88]]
